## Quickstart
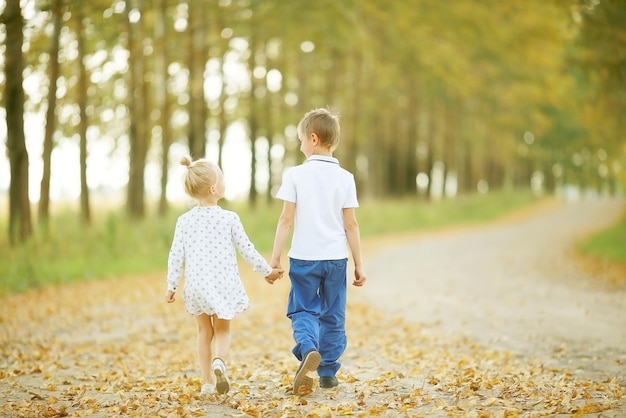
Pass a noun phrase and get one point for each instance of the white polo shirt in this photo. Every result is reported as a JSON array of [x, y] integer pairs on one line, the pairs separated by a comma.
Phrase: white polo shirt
[[321, 189]]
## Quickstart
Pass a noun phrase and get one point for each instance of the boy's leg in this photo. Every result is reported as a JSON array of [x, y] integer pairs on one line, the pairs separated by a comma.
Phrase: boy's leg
[[304, 305], [333, 338]]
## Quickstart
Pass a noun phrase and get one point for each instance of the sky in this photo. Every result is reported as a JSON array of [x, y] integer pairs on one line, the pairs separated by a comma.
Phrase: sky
[[108, 167], [107, 164]]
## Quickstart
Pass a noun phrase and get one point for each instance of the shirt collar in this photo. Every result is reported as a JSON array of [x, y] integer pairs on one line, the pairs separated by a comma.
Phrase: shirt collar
[[323, 158]]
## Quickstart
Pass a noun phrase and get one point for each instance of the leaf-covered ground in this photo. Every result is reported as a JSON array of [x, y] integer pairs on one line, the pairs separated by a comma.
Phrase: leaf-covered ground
[[115, 348]]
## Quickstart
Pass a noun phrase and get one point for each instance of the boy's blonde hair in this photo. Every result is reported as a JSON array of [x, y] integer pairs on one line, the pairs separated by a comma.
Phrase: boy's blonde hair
[[201, 174], [324, 123]]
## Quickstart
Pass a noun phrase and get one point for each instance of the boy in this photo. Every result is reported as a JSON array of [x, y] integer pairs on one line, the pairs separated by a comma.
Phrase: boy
[[319, 201]]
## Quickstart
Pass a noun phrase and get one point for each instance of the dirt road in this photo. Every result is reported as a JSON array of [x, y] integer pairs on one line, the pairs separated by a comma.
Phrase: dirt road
[[514, 285], [489, 320]]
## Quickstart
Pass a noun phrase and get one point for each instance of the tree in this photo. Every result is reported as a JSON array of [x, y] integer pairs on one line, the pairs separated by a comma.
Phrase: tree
[[254, 107], [600, 53], [20, 224], [421, 85], [137, 134], [85, 208], [48, 142], [161, 35], [197, 57]]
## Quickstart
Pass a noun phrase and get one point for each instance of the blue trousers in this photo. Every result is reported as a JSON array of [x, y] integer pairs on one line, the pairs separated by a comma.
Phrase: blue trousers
[[317, 309]]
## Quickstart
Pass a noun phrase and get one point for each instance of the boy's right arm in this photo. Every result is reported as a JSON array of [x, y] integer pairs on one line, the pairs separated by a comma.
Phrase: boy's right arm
[[283, 227], [353, 235]]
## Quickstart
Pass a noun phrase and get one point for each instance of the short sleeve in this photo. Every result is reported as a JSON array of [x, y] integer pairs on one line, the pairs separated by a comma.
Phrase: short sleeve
[[287, 190], [351, 199]]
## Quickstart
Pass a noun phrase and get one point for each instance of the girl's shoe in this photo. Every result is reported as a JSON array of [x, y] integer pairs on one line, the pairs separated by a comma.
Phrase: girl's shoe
[[207, 389], [219, 368]]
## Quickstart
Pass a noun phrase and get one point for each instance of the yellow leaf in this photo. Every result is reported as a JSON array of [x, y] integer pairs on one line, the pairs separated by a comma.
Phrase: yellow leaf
[[490, 401]]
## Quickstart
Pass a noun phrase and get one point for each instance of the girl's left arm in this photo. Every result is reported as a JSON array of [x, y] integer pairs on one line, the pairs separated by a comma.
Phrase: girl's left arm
[[175, 260]]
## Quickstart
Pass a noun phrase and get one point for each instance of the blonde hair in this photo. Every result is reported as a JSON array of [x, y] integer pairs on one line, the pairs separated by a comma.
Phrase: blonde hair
[[324, 123], [201, 174]]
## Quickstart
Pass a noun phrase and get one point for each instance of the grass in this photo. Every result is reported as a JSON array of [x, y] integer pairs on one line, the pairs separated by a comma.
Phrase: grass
[[114, 245], [609, 244]]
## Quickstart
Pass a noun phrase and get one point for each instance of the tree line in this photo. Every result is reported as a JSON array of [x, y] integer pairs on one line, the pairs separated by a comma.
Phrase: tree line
[[464, 94]]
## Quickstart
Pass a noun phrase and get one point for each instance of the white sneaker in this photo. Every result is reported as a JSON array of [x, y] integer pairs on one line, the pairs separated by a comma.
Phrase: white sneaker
[[219, 368], [207, 389]]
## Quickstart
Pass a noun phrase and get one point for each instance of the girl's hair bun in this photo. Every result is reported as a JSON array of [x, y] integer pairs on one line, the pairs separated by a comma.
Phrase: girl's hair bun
[[186, 161]]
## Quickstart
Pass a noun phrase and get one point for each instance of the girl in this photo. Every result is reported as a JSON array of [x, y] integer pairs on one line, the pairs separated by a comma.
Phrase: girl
[[204, 242]]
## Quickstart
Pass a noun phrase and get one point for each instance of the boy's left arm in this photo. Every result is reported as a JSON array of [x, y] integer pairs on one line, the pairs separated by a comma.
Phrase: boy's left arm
[[283, 227], [276, 274]]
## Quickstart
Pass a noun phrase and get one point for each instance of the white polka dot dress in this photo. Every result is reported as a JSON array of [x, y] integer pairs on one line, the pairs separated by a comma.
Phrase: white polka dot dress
[[205, 240]]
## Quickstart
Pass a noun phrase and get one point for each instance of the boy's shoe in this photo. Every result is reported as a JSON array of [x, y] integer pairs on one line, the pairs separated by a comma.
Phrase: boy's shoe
[[310, 362], [219, 368], [327, 382], [207, 389]]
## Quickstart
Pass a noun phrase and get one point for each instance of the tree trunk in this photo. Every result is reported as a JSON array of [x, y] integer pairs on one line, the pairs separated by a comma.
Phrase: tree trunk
[[351, 128], [450, 131], [253, 120], [427, 120], [48, 141], [222, 119], [406, 158], [469, 186], [197, 106], [270, 132], [461, 160], [397, 144], [83, 124], [20, 225], [163, 102], [334, 76], [136, 134], [410, 156], [304, 61]]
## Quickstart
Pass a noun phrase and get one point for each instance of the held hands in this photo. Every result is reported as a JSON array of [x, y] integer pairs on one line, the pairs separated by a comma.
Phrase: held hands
[[359, 277], [170, 296], [277, 273]]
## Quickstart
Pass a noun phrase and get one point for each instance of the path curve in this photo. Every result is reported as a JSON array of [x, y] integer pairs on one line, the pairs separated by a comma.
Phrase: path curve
[[511, 285]]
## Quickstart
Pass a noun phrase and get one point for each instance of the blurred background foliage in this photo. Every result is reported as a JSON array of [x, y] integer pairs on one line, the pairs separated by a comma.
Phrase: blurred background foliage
[[115, 245], [438, 99]]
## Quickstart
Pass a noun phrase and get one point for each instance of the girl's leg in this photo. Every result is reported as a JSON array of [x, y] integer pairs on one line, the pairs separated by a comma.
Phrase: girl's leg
[[221, 329], [205, 336], [222, 347]]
